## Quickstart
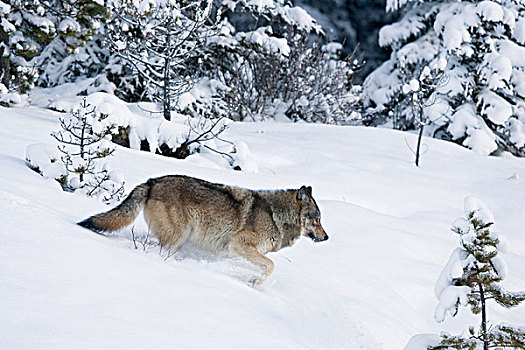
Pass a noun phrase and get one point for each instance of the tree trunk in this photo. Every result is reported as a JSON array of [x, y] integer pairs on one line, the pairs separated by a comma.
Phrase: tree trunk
[[166, 103], [419, 137], [82, 140], [166, 108], [166, 98], [484, 334]]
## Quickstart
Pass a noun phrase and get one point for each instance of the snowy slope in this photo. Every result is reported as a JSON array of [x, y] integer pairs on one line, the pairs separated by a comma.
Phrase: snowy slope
[[370, 286]]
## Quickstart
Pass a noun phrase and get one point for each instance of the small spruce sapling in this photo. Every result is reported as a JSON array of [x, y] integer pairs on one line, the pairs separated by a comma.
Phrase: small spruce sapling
[[85, 146], [422, 95], [472, 277]]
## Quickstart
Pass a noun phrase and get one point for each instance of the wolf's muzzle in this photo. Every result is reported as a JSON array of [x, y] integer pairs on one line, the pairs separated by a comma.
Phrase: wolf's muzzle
[[314, 238]]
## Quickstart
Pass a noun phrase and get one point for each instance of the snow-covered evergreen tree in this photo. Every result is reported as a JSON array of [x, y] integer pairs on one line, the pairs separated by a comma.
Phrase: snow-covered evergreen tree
[[129, 86], [36, 36], [6, 31], [85, 144], [472, 276], [78, 49], [24, 31], [482, 104]]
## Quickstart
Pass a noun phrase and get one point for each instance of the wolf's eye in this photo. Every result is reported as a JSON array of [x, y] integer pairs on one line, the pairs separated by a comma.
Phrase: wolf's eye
[[310, 215]]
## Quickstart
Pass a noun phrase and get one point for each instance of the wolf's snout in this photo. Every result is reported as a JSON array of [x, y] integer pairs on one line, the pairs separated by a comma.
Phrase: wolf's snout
[[322, 236], [320, 239], [317, 238]]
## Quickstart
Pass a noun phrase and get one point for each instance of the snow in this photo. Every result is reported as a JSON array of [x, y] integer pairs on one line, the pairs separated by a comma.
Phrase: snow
[[461, 225], [11, 98], [503, 244], [414, 85], [186, 99], [368, 287], [423, 49], [380, 86], [500, 266], [392, 5], [495, 107], [425, 73], [333, 48], [400, 31], [490, 11], [43, 24], [462, 120], [45, 158], [441, 64], [479, 209], [243, 158], [422, 341], [517, 132], [202, 92], [480, 140], [453, 269], [301, 18], [512, 51], [497, 69], [4, 8], [519, 31], [69, 25], [438, 111], [450, 298], [261, 38], [7, 26], [261, 4], [144, 6]]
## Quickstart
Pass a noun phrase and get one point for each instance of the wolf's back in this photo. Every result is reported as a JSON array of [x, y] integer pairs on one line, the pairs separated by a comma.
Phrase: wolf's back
[[122, 215]]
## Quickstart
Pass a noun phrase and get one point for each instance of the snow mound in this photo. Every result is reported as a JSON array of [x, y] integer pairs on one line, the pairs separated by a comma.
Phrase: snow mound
[[45, 159], [479, 209]]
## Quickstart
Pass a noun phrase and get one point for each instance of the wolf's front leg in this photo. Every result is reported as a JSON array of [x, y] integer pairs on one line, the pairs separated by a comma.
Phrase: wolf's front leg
[[250, 253]]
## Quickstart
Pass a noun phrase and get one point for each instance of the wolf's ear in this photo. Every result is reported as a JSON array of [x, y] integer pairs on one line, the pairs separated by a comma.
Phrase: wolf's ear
[[304, 193], [309, 190]]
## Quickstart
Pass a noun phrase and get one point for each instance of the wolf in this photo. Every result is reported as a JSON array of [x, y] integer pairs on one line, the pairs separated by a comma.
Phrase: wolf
[[218, 218]]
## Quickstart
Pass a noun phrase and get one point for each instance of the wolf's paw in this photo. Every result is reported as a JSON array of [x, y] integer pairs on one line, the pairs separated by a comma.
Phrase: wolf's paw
[[260, 280], [254, 282]]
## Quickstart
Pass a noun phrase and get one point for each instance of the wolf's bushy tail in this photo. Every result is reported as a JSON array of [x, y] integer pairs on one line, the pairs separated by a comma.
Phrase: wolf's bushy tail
[[122, 215]]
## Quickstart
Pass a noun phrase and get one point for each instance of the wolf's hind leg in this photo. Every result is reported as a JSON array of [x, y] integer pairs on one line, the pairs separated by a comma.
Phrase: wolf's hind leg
[[250, 253], [171, 233]]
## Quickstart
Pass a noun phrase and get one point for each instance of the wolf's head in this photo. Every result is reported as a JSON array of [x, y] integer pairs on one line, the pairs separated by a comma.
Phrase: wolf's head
[[310, 216]]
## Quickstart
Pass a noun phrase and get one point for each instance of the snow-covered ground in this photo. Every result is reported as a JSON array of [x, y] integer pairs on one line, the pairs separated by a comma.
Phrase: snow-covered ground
[[370, 286]]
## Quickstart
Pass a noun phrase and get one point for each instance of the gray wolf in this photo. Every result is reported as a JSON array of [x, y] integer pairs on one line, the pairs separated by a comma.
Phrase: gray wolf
[[218, 218]]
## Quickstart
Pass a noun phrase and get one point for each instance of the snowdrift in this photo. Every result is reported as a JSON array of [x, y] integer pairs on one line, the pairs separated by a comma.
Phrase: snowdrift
[[370, 286]]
